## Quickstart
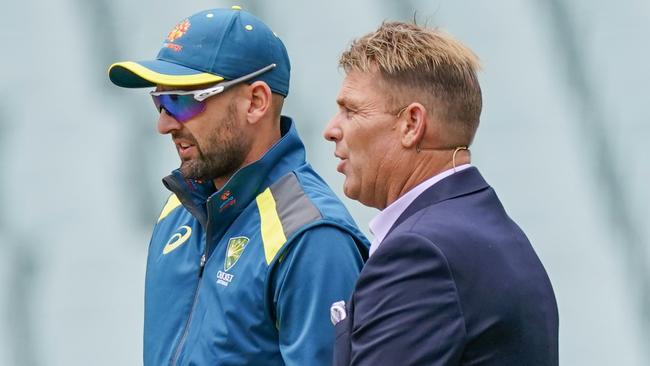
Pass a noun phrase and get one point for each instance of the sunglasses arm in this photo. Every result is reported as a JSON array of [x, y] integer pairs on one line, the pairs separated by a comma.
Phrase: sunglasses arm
[[201, 95], [207, 93]]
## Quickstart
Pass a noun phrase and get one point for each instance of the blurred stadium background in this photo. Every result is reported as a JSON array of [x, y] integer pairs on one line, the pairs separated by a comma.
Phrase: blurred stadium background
[[562, 139]]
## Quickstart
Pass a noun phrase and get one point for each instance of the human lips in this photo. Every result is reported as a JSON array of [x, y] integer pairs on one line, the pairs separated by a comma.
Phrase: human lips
[[185, 148], [341, 164]]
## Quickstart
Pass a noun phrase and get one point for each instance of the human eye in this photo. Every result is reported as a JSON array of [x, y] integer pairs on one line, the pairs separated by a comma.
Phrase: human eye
[[347, 112]]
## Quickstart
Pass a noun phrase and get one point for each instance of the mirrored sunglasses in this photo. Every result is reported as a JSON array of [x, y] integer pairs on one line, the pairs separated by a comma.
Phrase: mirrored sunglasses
[[184, 105]]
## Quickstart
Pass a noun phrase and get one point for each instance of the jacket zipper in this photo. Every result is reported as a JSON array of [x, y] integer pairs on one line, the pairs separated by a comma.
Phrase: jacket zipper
[[204, 258], [174, 359]]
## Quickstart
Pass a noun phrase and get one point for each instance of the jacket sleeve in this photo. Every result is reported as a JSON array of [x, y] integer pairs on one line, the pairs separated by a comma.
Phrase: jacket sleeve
[[406, 308], [321, 268]]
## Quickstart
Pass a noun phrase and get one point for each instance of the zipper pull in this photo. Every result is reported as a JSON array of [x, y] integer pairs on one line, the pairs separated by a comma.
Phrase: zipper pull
[[201, 265]]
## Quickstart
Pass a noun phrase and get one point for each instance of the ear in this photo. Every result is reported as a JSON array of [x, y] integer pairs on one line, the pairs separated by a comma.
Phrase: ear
[[413, 125], [260, 101]]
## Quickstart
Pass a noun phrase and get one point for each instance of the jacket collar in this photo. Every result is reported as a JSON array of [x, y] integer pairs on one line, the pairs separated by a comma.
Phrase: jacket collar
[[458, 184], [220, 207]]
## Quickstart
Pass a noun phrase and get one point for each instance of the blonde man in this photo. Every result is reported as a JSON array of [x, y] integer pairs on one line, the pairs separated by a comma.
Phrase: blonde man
[[451, 279]]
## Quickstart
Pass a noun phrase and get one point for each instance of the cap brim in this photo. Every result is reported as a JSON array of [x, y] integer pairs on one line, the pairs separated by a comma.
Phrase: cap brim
[[143, 74]]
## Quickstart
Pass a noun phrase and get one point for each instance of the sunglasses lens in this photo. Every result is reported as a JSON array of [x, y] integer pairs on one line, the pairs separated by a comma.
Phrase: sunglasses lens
[[181, 107]]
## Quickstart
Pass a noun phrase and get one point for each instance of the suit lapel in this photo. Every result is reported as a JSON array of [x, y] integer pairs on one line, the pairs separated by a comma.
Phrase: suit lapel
[[458, 184]]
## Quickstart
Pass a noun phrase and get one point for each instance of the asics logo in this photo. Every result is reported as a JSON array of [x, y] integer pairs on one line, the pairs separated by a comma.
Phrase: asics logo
[[184, 233]]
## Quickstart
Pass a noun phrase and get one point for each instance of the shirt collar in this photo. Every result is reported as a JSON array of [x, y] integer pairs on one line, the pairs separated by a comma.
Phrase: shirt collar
[[381, 224]]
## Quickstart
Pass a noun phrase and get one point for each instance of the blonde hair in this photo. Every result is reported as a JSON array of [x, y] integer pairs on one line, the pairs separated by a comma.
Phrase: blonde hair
[[427, 65]]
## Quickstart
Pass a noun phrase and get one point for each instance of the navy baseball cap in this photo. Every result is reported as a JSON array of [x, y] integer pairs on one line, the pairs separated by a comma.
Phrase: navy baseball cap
[[208, 47]]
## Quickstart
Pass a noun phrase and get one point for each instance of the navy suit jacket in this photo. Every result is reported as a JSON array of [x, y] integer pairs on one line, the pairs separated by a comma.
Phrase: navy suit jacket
[[455, 282]]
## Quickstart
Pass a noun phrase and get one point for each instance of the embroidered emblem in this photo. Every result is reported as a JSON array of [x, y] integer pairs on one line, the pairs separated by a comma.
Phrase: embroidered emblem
[[179, 30], [225, 195], [227, 200], [234, 250]]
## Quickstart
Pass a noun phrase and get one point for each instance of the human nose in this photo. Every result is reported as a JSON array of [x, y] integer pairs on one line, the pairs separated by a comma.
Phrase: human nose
[[167, 123], [333, 130]]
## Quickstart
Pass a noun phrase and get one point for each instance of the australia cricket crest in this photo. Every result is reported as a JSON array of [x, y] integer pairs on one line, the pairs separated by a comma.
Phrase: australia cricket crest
[[235, 248]]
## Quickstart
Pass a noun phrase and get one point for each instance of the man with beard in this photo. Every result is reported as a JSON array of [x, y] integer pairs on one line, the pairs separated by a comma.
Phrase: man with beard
[[252, 247]]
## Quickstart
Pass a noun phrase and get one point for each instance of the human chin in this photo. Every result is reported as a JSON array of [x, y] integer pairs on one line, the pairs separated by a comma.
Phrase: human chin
[[218, 161], [359, 189], [194, 165], [191, 168], [350, 187]]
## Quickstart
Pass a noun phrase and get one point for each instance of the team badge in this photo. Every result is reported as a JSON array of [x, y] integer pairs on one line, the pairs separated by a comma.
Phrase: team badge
[[179, 30], [235, 248]]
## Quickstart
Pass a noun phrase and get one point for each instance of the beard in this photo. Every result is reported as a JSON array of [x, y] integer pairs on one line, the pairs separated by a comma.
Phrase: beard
[[223, 152]]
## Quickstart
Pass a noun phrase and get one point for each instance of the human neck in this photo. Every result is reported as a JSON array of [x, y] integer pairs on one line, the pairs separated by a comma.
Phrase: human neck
[[221, 181], [429, 165], [263, 140]]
